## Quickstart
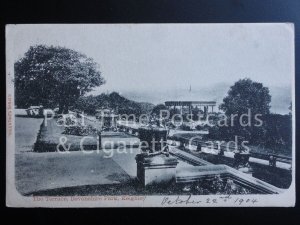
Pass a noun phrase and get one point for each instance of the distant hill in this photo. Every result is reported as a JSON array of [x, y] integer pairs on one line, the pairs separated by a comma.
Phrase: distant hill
[[89, 104], [281, 95]]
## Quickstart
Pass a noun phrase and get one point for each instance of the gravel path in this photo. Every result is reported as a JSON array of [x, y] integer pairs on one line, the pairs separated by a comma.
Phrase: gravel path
[[46, 171], [26, 130]]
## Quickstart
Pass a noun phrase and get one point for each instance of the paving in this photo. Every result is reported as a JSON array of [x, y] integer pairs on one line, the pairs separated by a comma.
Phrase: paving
[[26, 130], [43, 171], [50, 170]]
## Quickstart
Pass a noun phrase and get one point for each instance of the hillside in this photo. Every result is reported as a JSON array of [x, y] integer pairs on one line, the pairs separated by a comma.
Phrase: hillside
[[113, 100]]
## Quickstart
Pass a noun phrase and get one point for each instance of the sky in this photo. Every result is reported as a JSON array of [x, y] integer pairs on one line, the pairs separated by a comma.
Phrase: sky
[[161, 62]]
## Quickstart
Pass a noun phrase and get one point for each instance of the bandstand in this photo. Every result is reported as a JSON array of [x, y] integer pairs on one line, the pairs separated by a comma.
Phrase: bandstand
[[206, 106]]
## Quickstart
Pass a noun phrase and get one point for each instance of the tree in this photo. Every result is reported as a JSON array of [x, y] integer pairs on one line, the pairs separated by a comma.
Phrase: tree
[[279, 133], [244, 96], [146, 107], [118, 103], [158, 108], [87, 104], [54, 76]]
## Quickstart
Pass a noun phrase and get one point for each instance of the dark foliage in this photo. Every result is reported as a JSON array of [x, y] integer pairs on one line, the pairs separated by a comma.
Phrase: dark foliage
[[275, 131], [54, 76], [89, 104]]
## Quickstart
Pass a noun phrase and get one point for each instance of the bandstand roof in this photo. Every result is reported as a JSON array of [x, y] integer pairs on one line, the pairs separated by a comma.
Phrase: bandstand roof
[[188, 103]]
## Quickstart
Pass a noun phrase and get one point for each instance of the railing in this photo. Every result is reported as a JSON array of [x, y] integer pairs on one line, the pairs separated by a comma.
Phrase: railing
[[272, 158]]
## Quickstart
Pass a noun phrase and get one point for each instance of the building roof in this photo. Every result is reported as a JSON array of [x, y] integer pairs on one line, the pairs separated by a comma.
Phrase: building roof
[[187, 103]]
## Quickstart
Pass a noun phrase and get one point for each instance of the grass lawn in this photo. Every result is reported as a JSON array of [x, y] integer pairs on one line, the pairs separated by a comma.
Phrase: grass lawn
[[51, 134]]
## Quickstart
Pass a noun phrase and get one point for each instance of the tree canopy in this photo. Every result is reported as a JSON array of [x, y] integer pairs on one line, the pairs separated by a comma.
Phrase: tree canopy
[[250, 98], [54, 76], [246, 94], [158, 108], [89, 104]]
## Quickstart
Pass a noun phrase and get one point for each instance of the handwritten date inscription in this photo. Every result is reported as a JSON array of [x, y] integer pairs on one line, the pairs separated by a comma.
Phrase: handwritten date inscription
[[195, 200]]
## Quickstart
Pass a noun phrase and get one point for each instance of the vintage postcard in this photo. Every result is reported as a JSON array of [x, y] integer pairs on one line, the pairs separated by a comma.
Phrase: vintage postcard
[[150, 115]]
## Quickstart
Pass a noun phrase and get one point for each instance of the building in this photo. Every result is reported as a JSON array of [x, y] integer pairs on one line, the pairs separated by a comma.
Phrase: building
[[188, 106], [35, 111]]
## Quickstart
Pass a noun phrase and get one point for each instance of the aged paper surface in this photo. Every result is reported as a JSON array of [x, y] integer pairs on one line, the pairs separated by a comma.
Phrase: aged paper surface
[[159, 115]]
